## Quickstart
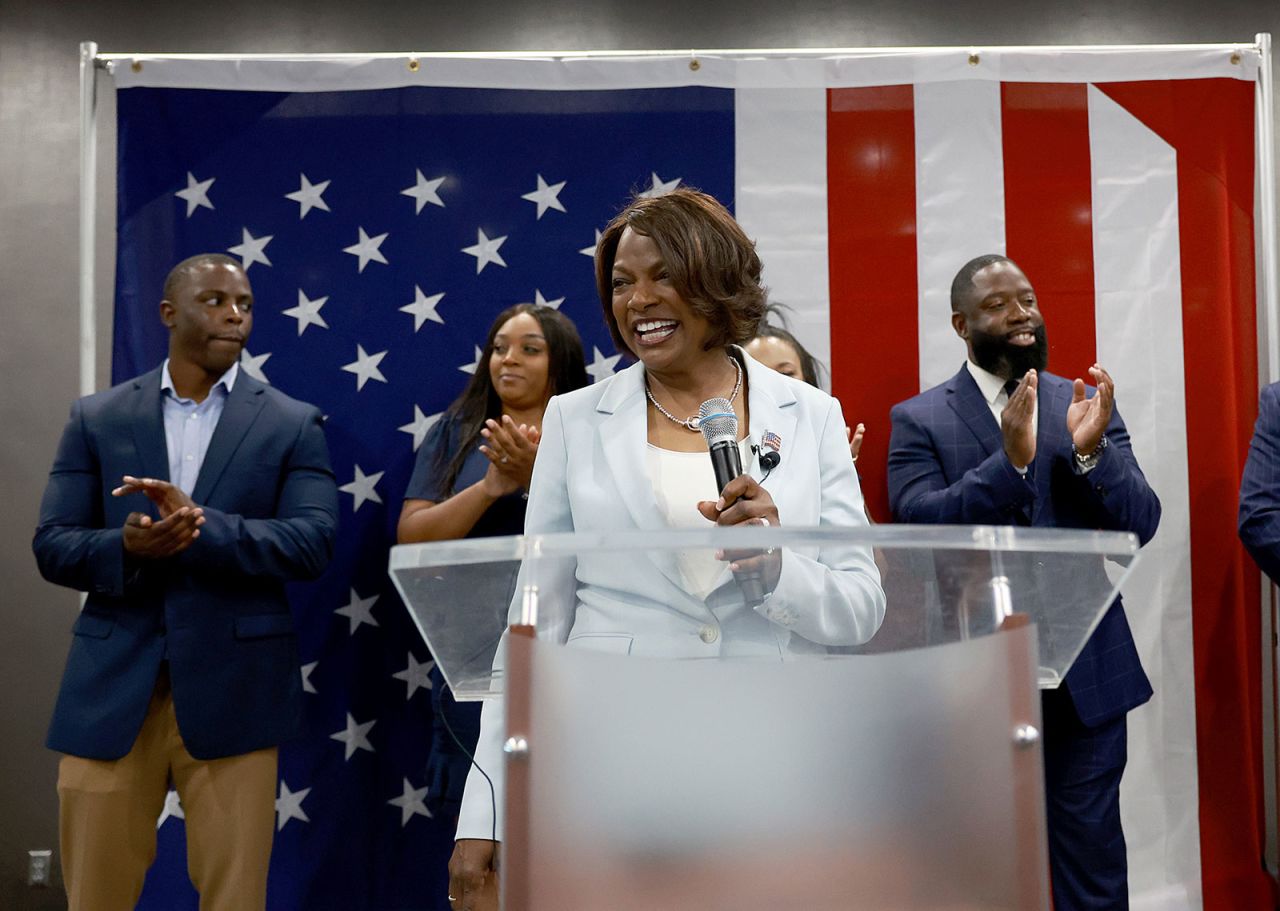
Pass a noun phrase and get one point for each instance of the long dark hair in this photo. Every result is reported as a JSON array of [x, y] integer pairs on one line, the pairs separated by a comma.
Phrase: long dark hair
[[566, 371], [773, 326]]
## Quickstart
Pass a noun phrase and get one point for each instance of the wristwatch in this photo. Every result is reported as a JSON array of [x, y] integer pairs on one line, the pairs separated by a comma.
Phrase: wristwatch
[[1086, 463]]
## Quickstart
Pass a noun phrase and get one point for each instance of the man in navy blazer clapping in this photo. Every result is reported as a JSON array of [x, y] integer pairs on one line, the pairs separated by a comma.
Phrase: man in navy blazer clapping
[[182, 501], [1003, 442]]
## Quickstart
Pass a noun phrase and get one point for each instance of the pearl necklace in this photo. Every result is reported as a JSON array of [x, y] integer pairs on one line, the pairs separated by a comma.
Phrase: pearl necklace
[[693, 422]]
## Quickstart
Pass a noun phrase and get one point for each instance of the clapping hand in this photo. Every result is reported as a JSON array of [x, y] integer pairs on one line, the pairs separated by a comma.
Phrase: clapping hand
[[854, 435], [1087, 418], [179, 525], [1017, 422], [510, 449]]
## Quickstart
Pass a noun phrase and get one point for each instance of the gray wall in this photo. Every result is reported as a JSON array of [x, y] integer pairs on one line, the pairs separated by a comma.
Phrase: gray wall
[[38, 216]]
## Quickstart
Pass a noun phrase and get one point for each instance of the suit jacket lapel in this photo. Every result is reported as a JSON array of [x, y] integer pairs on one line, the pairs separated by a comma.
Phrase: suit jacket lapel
[[967, 402], [238, 414], [624, 438], [148, 429], [771, 405]]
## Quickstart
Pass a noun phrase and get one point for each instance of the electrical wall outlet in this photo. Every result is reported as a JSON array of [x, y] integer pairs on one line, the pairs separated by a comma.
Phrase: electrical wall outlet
[[39, 866]]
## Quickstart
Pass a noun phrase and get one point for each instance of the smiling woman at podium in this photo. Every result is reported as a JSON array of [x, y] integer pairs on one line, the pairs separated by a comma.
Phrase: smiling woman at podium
[[695, 433]]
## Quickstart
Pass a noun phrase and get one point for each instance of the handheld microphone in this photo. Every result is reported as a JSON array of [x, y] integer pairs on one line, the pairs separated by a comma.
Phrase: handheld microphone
[[719, 426]]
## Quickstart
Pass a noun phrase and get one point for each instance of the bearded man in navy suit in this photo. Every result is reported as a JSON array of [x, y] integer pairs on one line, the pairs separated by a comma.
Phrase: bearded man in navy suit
[[1004, 442], [182, 501]]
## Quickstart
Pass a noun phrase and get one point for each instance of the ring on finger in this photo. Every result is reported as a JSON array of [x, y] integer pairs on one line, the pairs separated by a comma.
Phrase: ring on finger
[[504, 460], [764, 522]]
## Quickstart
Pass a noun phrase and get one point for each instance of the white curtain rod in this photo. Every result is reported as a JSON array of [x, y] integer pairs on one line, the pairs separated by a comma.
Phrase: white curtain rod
[[696, 52]]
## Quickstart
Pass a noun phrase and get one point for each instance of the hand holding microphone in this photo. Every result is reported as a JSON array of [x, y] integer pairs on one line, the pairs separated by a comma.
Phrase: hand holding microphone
[[742, 501]]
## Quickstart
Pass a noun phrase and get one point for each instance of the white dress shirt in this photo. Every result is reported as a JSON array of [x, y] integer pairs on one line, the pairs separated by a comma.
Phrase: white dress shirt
[[992, 389]]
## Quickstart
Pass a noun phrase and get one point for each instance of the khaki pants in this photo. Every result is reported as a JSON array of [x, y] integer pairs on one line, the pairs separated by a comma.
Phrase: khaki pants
[[109, 810]]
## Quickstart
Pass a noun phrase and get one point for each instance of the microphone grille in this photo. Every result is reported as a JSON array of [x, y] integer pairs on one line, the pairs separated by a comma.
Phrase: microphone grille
[[718, 422]]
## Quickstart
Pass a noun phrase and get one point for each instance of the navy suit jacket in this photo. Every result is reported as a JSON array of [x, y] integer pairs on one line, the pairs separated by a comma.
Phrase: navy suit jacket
[[1260, 486], [217, 611], [947, 465]]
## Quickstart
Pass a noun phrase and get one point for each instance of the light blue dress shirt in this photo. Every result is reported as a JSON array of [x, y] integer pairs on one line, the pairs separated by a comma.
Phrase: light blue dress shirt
[[189, 426]]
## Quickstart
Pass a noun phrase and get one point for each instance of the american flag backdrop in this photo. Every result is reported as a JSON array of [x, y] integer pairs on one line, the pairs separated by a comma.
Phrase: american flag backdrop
[[382, 232], [383, 228], [1131, 208]]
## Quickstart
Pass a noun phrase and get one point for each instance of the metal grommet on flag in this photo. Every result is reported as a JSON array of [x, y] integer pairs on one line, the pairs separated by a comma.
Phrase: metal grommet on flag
[[1235, 58], [694, 63], [136, 66], [414, 65], [974, 58]]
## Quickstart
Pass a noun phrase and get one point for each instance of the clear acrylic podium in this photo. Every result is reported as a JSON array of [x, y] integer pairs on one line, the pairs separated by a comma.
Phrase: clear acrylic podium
[[865, 737]]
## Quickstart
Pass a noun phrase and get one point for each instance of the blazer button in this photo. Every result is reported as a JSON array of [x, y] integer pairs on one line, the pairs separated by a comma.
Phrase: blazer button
[[708, 634]]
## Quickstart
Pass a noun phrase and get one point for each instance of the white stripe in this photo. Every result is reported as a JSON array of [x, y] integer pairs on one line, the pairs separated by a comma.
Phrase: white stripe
[[959, 206], [781, 202], [815, 68], [1139, 318]]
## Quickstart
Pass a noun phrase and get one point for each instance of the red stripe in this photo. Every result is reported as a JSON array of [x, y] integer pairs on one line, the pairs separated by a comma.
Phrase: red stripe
[[1209, 122], [871, 223], [1048, 212]]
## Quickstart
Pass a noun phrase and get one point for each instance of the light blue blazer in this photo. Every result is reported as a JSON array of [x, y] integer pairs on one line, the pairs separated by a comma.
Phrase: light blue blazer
[[590, 476]]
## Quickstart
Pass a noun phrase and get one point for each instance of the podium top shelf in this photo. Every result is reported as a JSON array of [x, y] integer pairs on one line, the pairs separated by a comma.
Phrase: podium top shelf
[[796, 593], [984, 538]]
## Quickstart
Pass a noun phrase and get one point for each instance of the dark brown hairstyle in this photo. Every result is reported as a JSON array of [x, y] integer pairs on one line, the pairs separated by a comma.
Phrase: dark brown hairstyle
[[808, 363], [712, 263]]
